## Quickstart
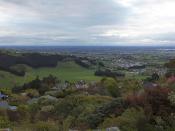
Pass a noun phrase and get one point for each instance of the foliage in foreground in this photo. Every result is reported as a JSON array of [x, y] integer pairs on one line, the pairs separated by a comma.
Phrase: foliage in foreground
[[122, 103]]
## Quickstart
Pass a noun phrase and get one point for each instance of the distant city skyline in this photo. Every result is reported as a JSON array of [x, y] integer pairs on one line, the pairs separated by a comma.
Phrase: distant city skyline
[[87, 22]]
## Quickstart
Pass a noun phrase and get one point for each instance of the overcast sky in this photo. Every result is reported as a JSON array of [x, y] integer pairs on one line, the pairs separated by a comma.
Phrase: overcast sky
[[87, 22]]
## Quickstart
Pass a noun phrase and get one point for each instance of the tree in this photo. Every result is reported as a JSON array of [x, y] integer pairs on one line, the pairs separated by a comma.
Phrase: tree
[[32, 93], [128, 121], [111, 85], [115, 107], [155, 77]]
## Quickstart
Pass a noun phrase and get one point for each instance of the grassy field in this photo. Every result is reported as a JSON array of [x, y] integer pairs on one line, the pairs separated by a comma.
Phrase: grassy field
[[64, 71], [135, 76]]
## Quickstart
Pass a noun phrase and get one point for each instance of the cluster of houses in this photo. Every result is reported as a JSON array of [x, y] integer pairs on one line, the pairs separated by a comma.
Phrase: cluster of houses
[[3, 96], [4, 102]]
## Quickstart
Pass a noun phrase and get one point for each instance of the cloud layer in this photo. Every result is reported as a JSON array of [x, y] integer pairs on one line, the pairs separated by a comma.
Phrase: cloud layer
[[87, 22]]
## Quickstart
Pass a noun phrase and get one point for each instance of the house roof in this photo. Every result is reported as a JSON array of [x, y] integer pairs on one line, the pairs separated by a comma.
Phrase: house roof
[[2, 95]]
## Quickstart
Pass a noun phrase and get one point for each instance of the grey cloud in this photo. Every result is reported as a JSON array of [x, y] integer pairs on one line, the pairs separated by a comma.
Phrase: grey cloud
[[73, 21], [71, 18], [166, 37]]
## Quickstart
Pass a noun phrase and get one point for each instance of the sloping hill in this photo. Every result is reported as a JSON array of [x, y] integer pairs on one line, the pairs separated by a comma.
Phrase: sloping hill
[[67, 70]]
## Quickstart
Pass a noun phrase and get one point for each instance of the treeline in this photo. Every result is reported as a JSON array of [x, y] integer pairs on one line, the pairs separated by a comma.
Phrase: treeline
[[36, 60], [85, 62], [41, 85], [109, 73]]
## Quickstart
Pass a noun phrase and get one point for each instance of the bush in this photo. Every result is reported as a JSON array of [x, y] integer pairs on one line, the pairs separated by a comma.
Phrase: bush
[[115, 107], [45, 126], [128, 121], [32, 93], [111, 85], [23, 112], [18, 99], [171, 98], [4, 122]]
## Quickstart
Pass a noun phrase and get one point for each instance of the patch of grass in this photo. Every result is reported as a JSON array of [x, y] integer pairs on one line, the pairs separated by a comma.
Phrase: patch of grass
[[135, 76], [65, 71]]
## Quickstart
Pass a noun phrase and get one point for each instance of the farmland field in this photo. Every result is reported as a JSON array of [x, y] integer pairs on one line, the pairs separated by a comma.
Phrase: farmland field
[[65, 71]]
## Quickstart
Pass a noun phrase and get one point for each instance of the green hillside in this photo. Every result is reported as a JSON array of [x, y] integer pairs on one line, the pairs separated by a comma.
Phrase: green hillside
[[65, 71]]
